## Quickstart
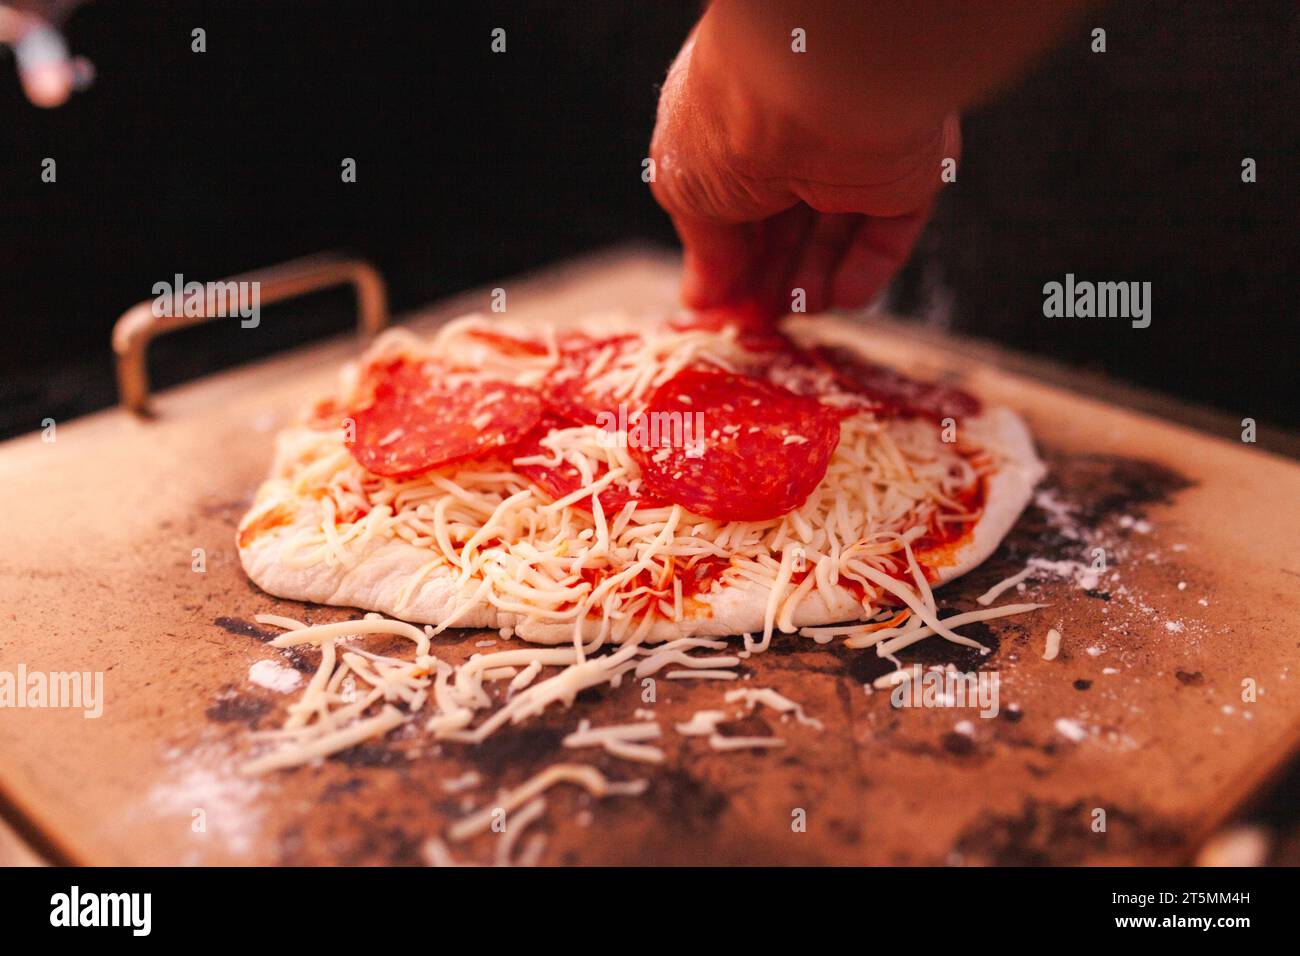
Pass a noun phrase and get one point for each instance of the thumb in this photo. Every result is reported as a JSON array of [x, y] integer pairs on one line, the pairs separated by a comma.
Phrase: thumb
[[717, 260]]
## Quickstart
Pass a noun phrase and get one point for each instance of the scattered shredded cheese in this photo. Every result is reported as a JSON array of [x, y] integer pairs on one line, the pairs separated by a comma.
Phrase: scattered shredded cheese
[[1053, 647], [770, 698], [466, 781], [622, 740], [701, 675], [331, 743], [516, 824], [702, 723], [587, 777], [719, 742], [993, 593]]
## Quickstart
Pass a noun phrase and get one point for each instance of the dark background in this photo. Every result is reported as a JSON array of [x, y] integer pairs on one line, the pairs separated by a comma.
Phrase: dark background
[[473, 166]]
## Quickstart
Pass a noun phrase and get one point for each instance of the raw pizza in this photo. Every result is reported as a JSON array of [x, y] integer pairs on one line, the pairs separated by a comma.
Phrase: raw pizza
[[622, 480]]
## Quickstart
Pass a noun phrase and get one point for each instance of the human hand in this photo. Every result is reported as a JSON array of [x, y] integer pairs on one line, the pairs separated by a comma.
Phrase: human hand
[[768, 199]]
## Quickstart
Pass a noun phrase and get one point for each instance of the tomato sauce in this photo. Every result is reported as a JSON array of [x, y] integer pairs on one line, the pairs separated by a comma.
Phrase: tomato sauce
[[277, 517]]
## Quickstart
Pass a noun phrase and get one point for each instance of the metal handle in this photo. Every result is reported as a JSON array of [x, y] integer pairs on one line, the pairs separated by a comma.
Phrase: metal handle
[[139, 324]]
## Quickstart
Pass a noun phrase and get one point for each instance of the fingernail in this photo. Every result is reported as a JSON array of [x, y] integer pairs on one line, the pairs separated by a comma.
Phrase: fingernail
[[47, 85]]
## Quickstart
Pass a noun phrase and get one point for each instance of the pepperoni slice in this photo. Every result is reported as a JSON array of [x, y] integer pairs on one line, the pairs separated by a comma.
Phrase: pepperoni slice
[[755, 451], [564, 479], [895, 392], [806, 373], [413, 424], [565, 386]]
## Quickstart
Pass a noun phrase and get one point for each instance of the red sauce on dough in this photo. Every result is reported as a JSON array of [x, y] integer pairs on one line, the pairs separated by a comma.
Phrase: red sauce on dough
[[277, 517], [896, 393]]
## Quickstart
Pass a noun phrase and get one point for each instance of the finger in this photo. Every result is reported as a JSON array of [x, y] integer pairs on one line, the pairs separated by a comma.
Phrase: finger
[[781, 238], [718, 260], [877, 251], [49, 85], [821, 251], [44, 67]]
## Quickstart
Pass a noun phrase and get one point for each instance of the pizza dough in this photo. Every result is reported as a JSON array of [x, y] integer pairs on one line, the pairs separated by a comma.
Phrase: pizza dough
[[411, 581]]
